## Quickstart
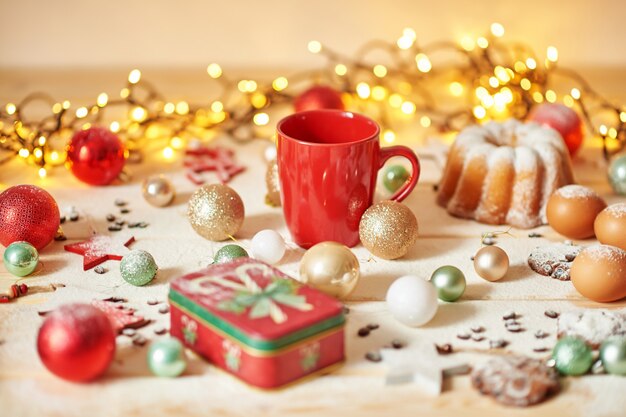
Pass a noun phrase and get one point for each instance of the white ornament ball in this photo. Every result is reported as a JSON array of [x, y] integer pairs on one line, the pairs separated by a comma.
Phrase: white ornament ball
[[270, 153], [412, 300], [268, 246]]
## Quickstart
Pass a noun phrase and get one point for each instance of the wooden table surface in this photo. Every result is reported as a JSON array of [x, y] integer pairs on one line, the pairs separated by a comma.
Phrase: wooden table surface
[[358, 387]]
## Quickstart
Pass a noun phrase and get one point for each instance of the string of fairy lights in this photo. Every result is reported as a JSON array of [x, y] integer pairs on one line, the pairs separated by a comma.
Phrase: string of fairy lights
[[441, 85]]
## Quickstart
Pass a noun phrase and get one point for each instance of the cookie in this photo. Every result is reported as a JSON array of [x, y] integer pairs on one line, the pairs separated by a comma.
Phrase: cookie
[[554, 260], [593, 326], [516, 380]]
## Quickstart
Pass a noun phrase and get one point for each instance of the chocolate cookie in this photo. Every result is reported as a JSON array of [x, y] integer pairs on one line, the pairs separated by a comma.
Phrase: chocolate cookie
[[516, 380], [553, 260]]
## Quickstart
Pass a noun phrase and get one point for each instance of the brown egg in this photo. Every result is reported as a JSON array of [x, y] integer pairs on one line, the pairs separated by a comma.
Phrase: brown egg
[[599, 273], [610, 225], [572, 209]]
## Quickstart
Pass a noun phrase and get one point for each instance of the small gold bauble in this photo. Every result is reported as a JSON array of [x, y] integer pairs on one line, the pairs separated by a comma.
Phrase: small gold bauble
[[491, 263], [272, 197], [158, 190], [215, 212], [331, 268], [388, 229]]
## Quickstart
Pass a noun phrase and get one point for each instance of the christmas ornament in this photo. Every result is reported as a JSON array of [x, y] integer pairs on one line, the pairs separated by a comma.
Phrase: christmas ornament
[[319, 97], [76, 342], [138, 267], [20, 258], [120, 316], [613, 355], [200, 159], [229, 252], [562, 119], [96, 156], [215, 212], [388, 229], [617, 174], [270, 153], [268, 246], [412, 300], [491, 263], [420, 364], [449, 282], [99, 248], [166, 357], [28, 213], [394, 177], [330, 267], [158, 191], [572, 356], [272, 197]]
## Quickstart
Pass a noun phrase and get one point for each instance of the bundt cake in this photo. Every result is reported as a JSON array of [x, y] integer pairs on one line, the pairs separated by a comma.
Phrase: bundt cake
[[504, 173]]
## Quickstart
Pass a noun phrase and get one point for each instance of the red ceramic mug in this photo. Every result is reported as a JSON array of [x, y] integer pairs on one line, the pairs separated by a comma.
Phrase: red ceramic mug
[[328, 162]]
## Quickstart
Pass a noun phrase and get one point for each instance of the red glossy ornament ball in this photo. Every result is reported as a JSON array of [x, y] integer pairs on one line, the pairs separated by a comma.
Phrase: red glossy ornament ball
[[96, 156], [562, 119], [76, 342], [319, 97], [28, 213]]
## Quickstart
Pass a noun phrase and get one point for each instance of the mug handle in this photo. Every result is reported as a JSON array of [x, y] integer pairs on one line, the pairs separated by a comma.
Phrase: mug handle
[[409, 185]]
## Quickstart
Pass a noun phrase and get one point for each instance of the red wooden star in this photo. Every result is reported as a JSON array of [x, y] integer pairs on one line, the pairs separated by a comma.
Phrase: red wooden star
[[121, 317], [200, 159], [98, 249]]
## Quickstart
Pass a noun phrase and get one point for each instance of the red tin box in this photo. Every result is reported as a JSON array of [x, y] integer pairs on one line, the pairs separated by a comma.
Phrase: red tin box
[[257, 323]]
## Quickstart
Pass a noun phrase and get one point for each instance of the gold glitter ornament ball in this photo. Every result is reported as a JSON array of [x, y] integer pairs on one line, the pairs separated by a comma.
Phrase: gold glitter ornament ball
[[388, 229], [215, 212], [331, 268]]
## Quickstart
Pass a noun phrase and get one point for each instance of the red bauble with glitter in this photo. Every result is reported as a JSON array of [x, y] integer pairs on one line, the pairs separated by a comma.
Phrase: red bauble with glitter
[[28, 213], [76, 342], [96, 156], [319, 97], [562, 119]]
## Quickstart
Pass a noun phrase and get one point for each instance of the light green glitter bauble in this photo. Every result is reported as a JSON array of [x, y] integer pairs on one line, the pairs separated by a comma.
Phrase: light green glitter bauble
[[617, 175], [138, 267], [228, 253], [166, 358], [394, 177], [613, 355], [572, 356], [450, 283], [20, 258]]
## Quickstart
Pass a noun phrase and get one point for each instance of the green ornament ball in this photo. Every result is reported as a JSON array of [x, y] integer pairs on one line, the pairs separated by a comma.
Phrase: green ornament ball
[[572, 356], [166, 358], [613, 355], [617, 175], [138, 268], [20, 258], [449, 282], [394, 177], [228, 253]]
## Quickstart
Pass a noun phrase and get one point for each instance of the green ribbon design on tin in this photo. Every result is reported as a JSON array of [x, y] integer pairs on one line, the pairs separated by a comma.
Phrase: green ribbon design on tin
[[261, 302]]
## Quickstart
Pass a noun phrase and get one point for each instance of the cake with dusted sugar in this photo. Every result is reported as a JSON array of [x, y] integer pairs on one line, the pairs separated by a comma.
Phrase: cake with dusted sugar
[[504, 173]]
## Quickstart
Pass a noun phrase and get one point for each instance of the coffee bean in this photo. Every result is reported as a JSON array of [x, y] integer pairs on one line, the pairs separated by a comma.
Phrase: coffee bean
[[133, 225], [74, 216], [463, 336], [397, 344], [124, 211], [129, 332], [115, 228], [363, 332], [541, 349], [478, 338], [445, 349], [110, 217], [551, 313], [164, 309], [60, 237], [372, 326], [373, 356], [477, 329], [569, 257], [514, 328], [115, 299], [62, 219], [139, 340], [435, 187], [534, 235], [498, 344], [160, 330], [152, 302], [99, 270], [119, 202], [143, 225], [540, 334], [509, 315], [120, 223]]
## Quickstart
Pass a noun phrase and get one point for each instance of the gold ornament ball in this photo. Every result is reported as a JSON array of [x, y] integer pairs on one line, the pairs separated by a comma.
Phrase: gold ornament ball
[[491, 263], [388, 229], [331, 268], [158, 191], [215, 212]]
